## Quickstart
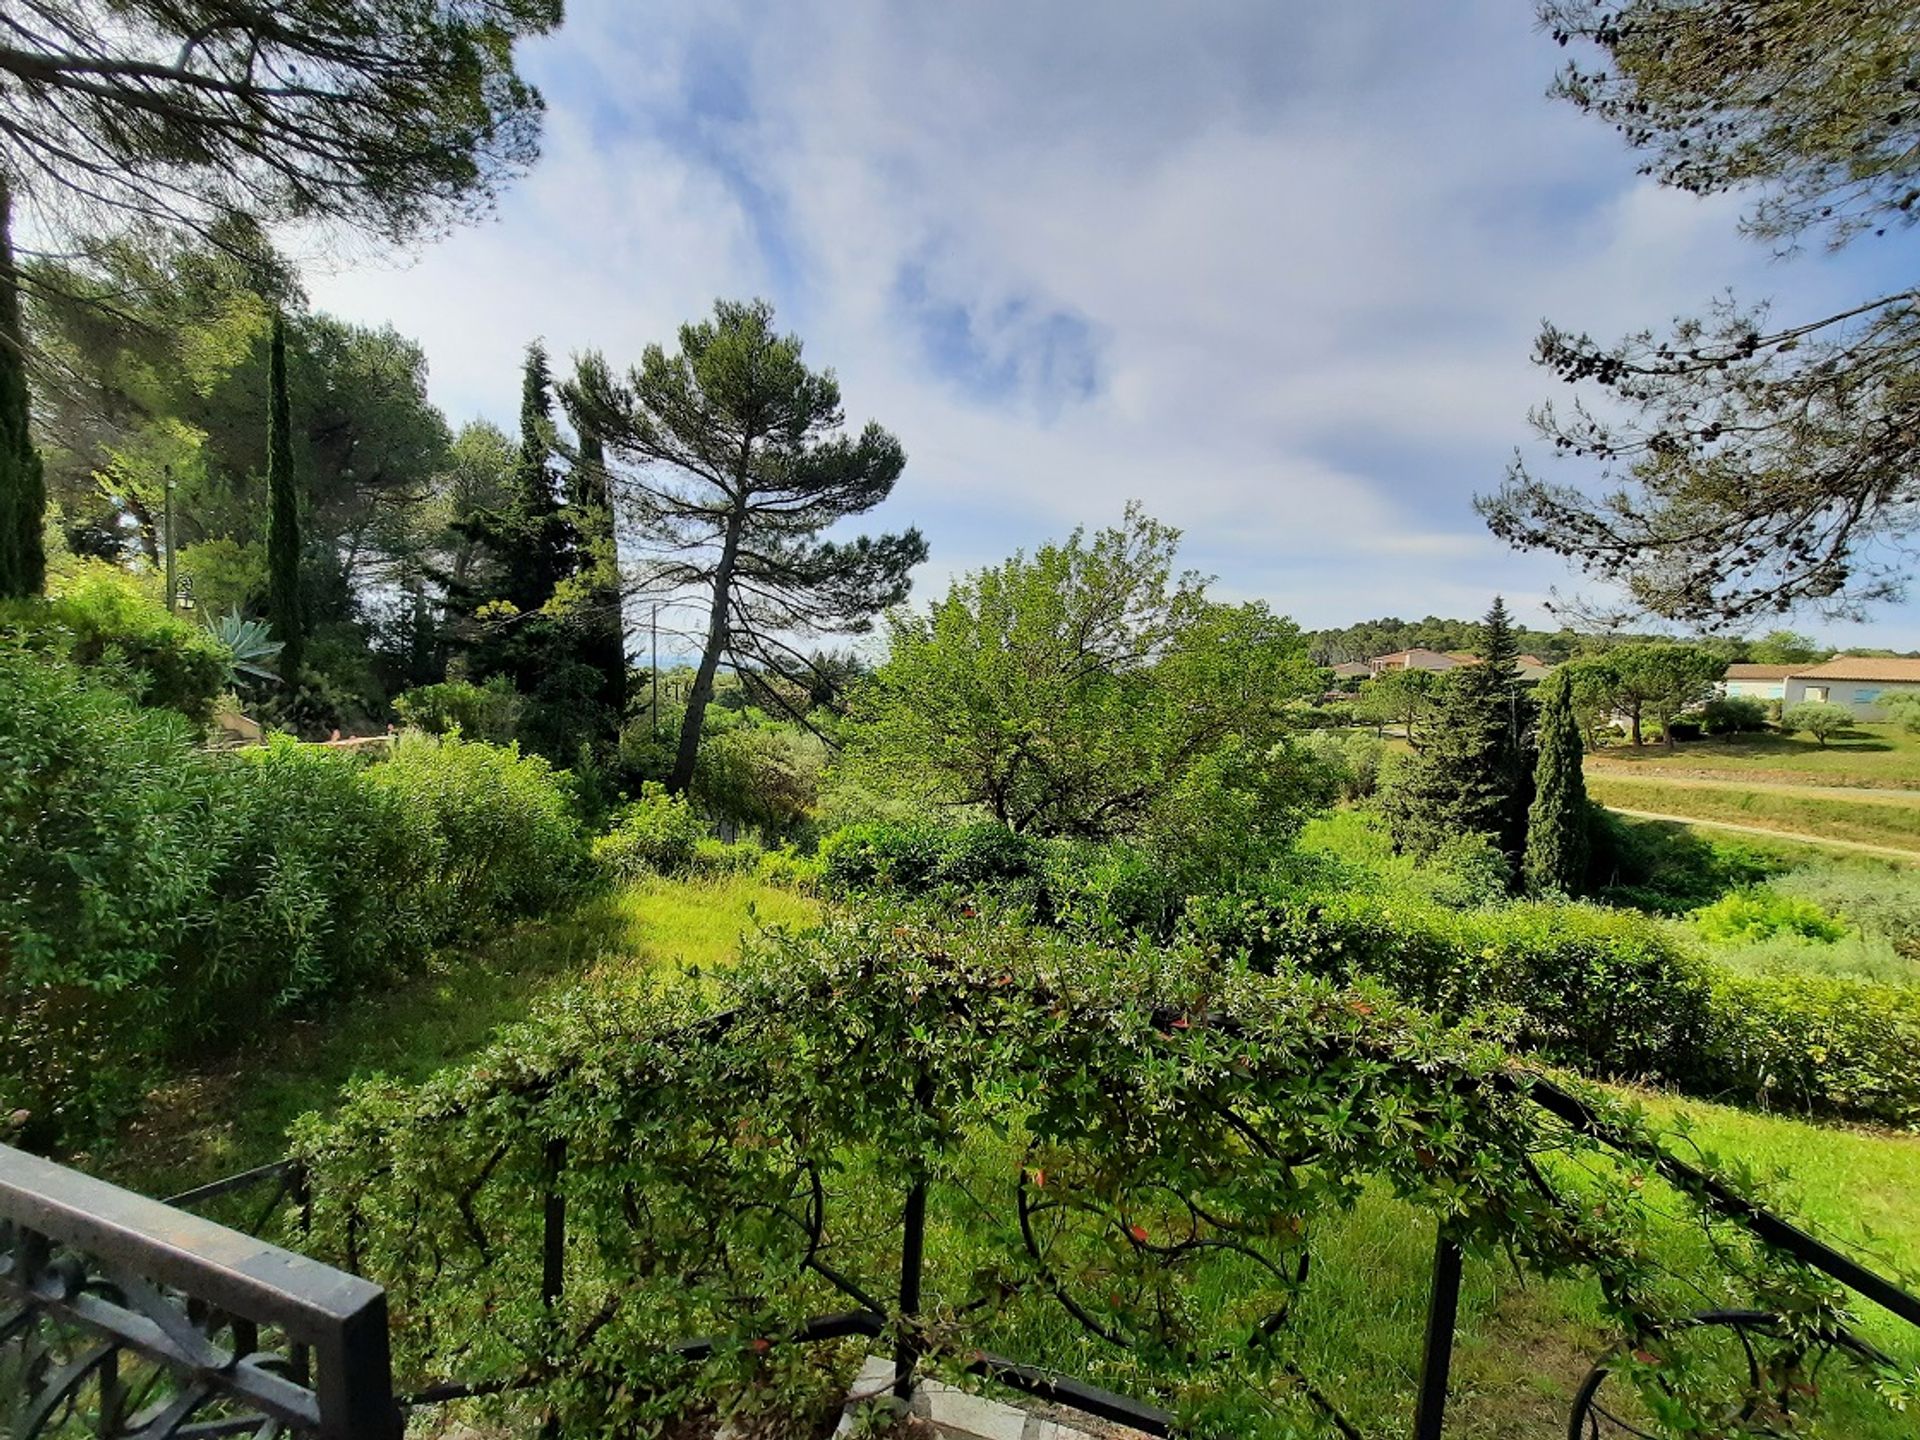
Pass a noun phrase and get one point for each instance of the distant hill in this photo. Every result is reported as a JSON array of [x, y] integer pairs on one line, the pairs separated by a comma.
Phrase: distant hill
[[1382, 637]]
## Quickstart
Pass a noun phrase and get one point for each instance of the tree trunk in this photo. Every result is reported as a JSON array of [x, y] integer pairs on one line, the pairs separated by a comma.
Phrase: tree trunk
[[23, 490], [1634, 716], [689, 751]]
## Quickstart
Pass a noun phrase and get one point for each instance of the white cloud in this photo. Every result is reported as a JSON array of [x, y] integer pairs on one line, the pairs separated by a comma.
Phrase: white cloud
[[1307, 246]]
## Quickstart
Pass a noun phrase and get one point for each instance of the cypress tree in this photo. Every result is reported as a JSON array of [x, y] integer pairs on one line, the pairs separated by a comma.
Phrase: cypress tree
[[532, 537], [23, 488], [283, 521], [603, 642], [1556, 860]]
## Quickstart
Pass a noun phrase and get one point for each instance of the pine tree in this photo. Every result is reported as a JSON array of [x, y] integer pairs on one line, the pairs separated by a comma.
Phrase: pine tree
[[23, 488], [284, 599], [1474, 775], [1556, 856]]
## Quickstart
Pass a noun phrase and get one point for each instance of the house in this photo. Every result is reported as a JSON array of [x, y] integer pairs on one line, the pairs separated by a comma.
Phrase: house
[[1854, 681], [1758, 682], [1348, 671], [1414, 659]]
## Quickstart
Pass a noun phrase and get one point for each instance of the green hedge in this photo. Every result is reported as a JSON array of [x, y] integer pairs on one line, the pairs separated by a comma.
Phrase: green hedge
[[158, 900], [1606, 991], [1594, 988]]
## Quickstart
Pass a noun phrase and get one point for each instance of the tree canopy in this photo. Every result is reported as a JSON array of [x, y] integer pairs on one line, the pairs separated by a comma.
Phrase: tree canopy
[[1749, 465], [1077, 690]]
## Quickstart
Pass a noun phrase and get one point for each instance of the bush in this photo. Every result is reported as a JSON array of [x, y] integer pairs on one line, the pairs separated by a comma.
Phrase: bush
[[104, 622], [1466, 871], [160, 900], [1665, 868], [1587, 986], [503, 841], [1733, 715], [1684, 729], [489, 712], [1818, 719], [721, 857], [1884, 902], [656, 834], [1815, 1043], [787, 866], [1755, 913], [881, 855]]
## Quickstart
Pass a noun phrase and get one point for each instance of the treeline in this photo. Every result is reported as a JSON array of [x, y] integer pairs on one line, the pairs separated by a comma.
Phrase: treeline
[[1370, 638]]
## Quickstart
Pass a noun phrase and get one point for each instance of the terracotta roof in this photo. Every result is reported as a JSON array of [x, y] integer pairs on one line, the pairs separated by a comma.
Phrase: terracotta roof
[[1863, 667], [1744, 671]]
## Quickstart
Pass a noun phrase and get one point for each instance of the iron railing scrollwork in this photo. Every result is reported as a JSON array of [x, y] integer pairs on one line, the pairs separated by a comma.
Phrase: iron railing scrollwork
[[122, 1316]]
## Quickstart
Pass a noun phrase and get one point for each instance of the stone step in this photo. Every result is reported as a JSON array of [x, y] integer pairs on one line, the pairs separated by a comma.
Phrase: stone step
[[946, 1412]]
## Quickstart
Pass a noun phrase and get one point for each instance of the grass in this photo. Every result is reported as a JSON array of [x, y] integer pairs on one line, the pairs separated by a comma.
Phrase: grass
[[225, 1119], [1870, 755], [1817, 818]]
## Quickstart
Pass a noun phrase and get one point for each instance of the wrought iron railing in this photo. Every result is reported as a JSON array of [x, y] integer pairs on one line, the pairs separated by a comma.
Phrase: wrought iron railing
[[98, 1276], [122, 1316]]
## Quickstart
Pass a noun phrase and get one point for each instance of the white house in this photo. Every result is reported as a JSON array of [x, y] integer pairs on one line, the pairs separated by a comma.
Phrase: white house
[[1855, 681], [1758, 682]]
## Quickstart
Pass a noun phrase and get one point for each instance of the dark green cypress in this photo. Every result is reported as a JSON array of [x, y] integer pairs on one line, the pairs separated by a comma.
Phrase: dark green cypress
[[603, 639], [536, 552], [23, 486], [1556, 861], [283, 521]]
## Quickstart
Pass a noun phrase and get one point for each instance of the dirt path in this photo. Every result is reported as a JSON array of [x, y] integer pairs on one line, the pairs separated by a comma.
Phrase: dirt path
[[1798, 837], [1860, 794]]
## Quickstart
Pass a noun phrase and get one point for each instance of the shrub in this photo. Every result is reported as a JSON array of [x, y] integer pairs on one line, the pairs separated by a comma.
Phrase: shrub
[[1587, 986], [787, 866], [1105, 890], [656, 834], [103, 621], [1733, 715], [1666, 868], [489, 712], [1815, 1043], [713, 856], [160, 900], [1882, 901], [1755, 913], [1467, 870], [1818, 719], [881, 855]]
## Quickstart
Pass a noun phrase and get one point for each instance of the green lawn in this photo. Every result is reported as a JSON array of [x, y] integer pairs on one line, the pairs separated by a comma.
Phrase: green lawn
[[225, 1119], [1869, 755], [1818, 818], [1524, 1343]]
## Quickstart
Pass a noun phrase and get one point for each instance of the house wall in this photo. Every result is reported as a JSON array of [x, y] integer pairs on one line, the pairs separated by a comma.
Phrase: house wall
[[1756, 689], [1859, 696]]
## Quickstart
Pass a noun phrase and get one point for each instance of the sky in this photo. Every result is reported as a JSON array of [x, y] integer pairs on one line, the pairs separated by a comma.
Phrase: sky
[[1273, 269]]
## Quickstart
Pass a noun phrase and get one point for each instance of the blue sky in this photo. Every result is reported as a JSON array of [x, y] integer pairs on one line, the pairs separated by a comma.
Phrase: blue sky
[[1272, 268]]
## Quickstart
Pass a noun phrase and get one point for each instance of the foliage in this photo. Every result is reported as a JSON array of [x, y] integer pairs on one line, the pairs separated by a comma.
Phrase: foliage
[[744, 534], [1786, 647], [1882, 900], [658, 833], [1557, 823], [1474, 772], [1757, 912], [1098, 1094], [503, 840], [1733, 715], [1759, 465], [1664, 868], [758, 775], [1818, 1044], [1352, 762], [250, 647], [1076, 691], [489, 712], [1405, 698], [161, 900], [104, 621], [1817, 718], [1660, 679], [1369, 639]]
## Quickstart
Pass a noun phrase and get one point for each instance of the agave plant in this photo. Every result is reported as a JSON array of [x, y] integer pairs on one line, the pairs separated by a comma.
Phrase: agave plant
[[250, 646]]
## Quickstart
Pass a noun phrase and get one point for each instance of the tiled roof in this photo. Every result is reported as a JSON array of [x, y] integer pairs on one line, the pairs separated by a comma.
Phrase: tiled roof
[[1745, 671], [1862, 667]]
